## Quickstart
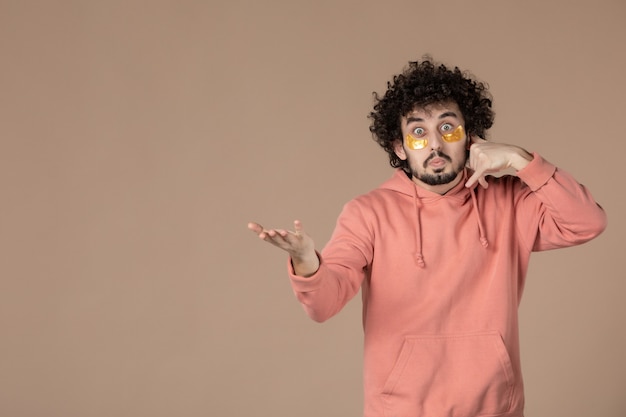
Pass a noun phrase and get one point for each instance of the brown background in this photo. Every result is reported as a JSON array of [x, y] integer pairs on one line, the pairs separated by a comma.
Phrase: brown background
[[139, 138]]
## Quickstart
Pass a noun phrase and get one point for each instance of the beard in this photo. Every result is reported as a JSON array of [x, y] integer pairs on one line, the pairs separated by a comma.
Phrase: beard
[[438, 177]]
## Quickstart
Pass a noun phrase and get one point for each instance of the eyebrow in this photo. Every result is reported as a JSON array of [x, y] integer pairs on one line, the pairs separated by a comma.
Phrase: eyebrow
[[441, 116]]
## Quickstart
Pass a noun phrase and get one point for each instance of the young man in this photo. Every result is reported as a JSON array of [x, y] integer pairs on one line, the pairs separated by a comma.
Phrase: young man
[[440, 251]]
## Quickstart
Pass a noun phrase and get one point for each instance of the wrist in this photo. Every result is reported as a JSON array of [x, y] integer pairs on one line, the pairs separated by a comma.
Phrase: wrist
[[305, 265], [520, 159]]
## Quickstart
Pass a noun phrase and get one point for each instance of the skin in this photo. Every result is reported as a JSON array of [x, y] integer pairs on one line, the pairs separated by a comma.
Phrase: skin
[[298, 244], [439, 160], [485, 158]]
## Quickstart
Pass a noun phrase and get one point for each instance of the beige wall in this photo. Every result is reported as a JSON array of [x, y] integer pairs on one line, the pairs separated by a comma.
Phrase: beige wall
[[139, 138]]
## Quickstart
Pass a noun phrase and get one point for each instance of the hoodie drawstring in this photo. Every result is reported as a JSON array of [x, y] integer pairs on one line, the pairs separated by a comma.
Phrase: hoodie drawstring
[[481, 228], [417, 203], [418, 232]]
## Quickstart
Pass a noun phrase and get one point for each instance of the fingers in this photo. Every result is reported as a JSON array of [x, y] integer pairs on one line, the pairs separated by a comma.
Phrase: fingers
[[472, 180], [479, 176], [297, 226], [266, 234], [479, 162], [255, 227], [474, 163], [284, 239], [258, 229]]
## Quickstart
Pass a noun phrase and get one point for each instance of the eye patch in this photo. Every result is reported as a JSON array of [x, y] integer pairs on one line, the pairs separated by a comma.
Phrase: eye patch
[[420, 143], [454, 136]]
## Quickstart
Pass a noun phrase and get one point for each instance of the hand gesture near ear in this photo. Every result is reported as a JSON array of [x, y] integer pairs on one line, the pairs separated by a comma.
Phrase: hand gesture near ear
[[491, 158], [297, 243]]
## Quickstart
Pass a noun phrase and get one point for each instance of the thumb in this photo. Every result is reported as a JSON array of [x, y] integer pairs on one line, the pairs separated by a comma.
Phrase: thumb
[[471, 181]]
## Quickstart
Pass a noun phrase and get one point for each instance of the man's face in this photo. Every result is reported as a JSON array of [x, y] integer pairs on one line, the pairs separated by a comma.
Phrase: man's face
[[437, 166]]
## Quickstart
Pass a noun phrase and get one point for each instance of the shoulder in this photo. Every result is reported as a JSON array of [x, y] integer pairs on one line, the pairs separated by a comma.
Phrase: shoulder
[[378, 197], [375, 205]]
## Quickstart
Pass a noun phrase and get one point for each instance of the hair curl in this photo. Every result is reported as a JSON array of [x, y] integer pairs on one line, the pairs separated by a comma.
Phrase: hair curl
[[422, 84]]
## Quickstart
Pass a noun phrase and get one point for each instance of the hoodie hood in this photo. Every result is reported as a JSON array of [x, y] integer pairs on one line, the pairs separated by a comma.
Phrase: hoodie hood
[[402, 184]]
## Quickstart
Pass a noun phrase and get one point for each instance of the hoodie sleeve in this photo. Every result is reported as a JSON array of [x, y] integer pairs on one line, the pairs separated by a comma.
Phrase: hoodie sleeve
[[564, 211], [343, 266]]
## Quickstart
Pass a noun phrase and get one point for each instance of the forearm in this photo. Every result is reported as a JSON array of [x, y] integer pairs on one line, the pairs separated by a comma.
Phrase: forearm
[[338, 270], [324, 293], [569, 215]]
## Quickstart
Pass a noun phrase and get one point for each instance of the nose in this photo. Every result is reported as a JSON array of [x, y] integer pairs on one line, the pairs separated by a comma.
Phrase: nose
[[435, 141]]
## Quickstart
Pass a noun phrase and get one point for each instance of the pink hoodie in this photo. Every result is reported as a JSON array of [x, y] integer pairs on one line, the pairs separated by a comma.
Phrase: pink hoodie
[[441, 280]]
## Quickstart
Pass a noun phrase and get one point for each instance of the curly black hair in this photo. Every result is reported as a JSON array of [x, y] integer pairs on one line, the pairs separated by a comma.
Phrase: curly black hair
[[422, 84]]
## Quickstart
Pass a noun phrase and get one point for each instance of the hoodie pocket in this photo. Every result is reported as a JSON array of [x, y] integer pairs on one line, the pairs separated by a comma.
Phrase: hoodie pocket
[[450, 375]]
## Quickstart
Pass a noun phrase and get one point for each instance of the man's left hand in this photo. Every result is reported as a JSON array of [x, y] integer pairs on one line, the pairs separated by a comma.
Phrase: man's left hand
[[486, 158]]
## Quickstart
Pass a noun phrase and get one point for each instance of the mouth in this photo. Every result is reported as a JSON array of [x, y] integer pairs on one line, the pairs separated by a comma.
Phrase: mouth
[[437, 162]]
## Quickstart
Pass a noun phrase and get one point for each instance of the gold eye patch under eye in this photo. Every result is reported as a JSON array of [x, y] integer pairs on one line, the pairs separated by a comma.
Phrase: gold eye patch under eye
[[454, 136], [416, 144]]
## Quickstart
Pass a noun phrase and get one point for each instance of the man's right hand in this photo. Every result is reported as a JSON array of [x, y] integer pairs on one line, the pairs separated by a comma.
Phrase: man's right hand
[[297, 243]]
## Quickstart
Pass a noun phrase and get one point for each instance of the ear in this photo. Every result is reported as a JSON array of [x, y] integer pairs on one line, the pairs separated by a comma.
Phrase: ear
[[398, 148]]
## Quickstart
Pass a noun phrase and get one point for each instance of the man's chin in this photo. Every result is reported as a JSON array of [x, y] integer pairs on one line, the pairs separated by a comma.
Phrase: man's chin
[[437, 178]]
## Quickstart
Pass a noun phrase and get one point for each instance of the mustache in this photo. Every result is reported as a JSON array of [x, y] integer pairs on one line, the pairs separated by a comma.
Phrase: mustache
[[436, 154]]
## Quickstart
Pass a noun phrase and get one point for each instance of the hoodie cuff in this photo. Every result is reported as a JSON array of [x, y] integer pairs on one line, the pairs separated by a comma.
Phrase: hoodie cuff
[[304, 284], [537, 173]]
